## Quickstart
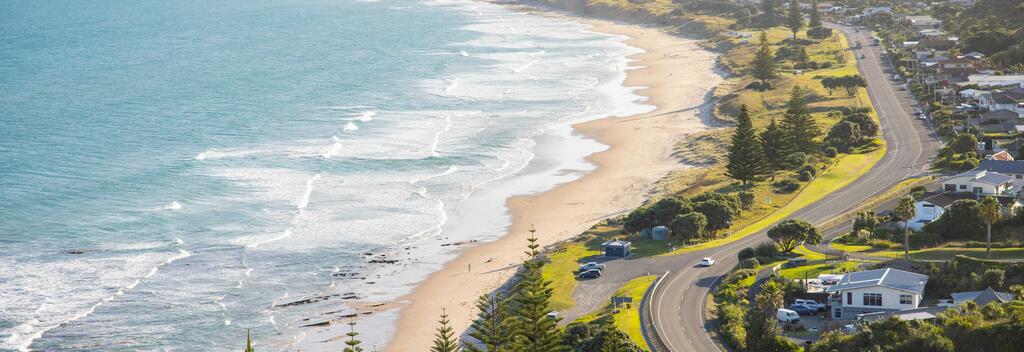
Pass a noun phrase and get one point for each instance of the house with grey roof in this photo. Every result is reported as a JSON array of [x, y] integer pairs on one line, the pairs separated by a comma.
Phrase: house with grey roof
[[871, 291], [932, 207], [982, 297], [1014, 168], [980, 182]]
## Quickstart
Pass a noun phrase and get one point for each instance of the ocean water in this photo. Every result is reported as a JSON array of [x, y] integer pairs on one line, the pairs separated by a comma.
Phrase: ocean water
[[173, 173]]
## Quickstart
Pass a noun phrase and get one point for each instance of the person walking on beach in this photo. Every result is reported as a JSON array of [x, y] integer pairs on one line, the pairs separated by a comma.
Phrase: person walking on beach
[[470, 268]]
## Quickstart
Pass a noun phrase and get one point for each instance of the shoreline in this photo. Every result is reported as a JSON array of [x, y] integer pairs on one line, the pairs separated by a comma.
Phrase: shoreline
[[639, 154]]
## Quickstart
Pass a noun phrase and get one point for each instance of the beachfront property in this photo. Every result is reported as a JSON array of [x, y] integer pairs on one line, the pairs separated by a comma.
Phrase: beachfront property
[[981, 298], [980, 182], [931, 208], [871, 291]]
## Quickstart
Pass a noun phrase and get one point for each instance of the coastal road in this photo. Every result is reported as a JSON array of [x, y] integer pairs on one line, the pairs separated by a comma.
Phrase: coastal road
[[678, 303]]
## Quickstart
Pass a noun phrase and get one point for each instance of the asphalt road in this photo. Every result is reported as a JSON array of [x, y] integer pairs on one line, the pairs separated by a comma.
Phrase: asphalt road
[[679, 300]]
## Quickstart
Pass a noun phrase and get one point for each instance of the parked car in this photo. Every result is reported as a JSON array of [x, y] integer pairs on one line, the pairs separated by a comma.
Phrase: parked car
[[706, 262], [591, 265], [896, 77], [917, 111], [589, 274], [811, 303], [922, 116], [785, 315], [802, 309]]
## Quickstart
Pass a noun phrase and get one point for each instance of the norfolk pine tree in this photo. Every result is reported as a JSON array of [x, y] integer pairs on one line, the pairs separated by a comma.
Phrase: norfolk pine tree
[[775, 146], [763, 65], [535, 331], [493, 328], [798, 124], [815, 20], [444, 339], [352, 345], [746, 158], [794, 19]]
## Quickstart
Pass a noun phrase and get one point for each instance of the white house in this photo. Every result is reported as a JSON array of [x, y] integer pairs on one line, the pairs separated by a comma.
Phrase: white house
[[878, 290], [922, 22], [980, 182], [990, 80], [931, 208], [1010, 100], [1013, 168]]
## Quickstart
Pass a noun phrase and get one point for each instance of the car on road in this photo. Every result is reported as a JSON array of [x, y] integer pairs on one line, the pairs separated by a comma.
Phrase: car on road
[[785, 315], [589, 274], [706, 262], [591, 265], [802, 309], [811, 303], [896, 77]]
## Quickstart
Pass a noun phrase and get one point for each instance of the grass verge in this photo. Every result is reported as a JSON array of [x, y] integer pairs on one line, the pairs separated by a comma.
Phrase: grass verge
[[628, 320], [560, 272]]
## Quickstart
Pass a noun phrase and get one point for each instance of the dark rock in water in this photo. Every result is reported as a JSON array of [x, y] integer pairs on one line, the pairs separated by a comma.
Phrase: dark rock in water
[[302, 301], [78, 251], [383, 261], [323, 323], [353, 315], [367, 312], [367, 254], [370, 282], [350, 295]]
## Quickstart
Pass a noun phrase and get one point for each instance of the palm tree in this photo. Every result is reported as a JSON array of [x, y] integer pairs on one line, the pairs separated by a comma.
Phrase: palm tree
[[905, 211], [988, 210]]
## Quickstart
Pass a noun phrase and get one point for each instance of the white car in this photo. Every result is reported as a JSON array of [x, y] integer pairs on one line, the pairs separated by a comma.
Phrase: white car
[[591, 265], [811, 303], [786, 316], [706, 262]]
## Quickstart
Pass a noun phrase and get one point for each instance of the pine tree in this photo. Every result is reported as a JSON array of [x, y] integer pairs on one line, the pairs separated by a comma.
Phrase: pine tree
[[775, 146], [352, 344], [815, 20], [444, 340], [746, 158], [794, 19], [798, 123], [613, 341], [248, 342], [770, 10], [493, 328], [535, 330], [763, 65]]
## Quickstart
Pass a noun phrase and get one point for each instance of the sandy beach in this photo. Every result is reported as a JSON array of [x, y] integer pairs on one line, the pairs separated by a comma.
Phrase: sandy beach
[[676, 75]]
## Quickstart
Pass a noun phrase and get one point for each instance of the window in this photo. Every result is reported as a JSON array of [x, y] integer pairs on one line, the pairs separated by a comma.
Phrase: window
[[839, 313], [849, 298], [977, 190], [949, 187], [963, 186], [906, 299], [873, 299]]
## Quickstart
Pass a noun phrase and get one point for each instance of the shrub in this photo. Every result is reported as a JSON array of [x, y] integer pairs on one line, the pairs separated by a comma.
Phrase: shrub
[[767, 250], [809, 169], [786, 186], [804, 176], [831, 152], [741, 274], [730, 325], [745, 253], [879, 244], [917, 192], [749, 263], [819, 33], [993, 311], [747, 200], [826, 64]]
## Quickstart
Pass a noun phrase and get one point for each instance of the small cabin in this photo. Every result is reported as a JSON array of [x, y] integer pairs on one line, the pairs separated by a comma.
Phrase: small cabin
[[616, 248], [660, 233]]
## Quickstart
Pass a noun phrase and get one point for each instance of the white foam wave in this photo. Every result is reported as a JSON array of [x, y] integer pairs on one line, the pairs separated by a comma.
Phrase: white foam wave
[[51, 315], [526, 66], [304, 200], [172, 206], [334, 149], [349, 127], [452, 85], [367, 116], [257, 241], [463, 53]]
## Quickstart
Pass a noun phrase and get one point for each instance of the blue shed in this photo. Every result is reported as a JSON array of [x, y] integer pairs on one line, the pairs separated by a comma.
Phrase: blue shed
[[660, 233]]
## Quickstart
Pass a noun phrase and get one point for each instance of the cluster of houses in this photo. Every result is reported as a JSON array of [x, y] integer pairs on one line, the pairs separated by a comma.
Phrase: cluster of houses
[[882, 293], [1001, 179]]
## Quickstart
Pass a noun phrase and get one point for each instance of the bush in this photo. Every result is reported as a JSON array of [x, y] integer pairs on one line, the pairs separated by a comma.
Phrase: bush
[[809, 169], [786, 186], [879, 244], [747, 200], [767, 250], [804, 176], [745, 253], [831, 152], [730, 325], [917, 192], [993, 311], [749, 263], [741, 274], [826, 64], [819, 33]]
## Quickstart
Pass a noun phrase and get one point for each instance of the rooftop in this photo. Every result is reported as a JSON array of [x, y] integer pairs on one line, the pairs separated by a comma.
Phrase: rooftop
[[946, 198], [1001, 166], [891, 278], [982, 297]]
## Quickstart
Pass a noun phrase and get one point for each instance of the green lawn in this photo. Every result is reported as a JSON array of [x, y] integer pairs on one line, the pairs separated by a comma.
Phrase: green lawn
[[628, 320], [850, 247], [812, 271], [560, 272]]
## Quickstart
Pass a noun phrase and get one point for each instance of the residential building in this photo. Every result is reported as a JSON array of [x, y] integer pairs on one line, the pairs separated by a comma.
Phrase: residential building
[[1000, 121], [877, 10], [923, 22], [941, 44], [981, 297], [1012, 100], [980, 182], [1014, 168], [989, 80], [881, 290], [931, 208]]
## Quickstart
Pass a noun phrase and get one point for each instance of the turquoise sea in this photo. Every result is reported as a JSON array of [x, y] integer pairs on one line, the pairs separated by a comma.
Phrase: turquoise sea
[[173, 173]]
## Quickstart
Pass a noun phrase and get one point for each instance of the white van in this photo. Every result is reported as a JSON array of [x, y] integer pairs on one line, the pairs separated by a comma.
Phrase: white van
[[786, 315]]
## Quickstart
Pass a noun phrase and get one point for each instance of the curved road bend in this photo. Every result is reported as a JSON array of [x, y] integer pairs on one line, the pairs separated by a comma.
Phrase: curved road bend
[[679, 302]]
